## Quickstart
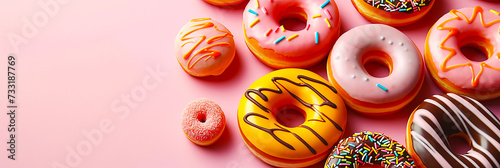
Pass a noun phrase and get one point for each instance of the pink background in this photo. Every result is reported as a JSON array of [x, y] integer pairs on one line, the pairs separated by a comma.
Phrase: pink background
[[82, 61]]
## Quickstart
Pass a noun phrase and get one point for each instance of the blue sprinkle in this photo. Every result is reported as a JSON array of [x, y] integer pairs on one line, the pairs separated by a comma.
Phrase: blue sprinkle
[[382, 87], [280, 39], [371, 139], [317, 37], [253, 12], [326, 3]]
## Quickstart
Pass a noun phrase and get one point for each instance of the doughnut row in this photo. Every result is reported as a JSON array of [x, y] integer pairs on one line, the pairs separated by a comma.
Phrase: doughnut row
[[206, 48]]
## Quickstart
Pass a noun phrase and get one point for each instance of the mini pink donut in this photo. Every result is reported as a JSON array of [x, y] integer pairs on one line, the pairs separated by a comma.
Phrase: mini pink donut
[[203, 121]]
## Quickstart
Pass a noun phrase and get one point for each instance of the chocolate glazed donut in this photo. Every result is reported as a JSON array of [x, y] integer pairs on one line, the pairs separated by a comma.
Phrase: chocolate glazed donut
[[444, 116]]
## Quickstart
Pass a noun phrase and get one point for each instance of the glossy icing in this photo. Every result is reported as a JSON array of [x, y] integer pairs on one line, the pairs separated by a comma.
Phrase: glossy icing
[[306, 144], [456, 29], [346, 67], [442, 116], [261, 23], [369, 147], [204, 47]]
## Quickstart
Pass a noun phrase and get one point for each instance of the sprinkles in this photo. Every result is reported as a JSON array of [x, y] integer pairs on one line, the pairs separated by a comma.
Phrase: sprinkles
[[495, 12], [292, 37], [328, 23], [253, 12], [327, 12], [254, 22], [369, 147], [316, 34], [316, 16], [407, 6], [324, 4], [282, 28], [264, 10], [268, 32], [382, 87], [257, 4], [279, 40]]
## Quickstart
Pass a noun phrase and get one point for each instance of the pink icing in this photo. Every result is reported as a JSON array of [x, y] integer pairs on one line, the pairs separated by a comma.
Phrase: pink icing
[[305, 42], [348, 70], [462, 76], [203, 120]]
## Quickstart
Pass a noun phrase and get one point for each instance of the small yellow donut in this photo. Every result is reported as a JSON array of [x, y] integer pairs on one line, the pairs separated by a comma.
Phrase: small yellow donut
[[300, 90]]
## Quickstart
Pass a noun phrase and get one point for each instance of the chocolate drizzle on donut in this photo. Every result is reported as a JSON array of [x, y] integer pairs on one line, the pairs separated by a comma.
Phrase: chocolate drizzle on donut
[[280, 87], [440, 117]]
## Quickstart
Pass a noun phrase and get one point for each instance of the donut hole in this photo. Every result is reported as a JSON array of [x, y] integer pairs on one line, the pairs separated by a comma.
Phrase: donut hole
[[293, 18], [377, 63], [202, 118], [290, 116], [476, 48], [459, 143]]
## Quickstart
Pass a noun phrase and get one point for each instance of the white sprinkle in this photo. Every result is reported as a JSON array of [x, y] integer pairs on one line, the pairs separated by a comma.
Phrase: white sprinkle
[[366, 79], [353, 76], [390, 42], [401, 44], [382, 38]]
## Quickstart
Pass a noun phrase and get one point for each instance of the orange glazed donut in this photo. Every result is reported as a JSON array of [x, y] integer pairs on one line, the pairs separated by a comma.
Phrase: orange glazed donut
[[277, 47], [380, 44], [393, 13], [224, 2], [451, 70], [291, 89]]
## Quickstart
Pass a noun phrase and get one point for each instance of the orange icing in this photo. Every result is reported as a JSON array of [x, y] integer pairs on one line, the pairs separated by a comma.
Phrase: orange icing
[[460, 16], [206, 51]]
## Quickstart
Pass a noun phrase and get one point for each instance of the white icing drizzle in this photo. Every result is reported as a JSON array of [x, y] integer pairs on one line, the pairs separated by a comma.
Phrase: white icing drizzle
[[432, 141]]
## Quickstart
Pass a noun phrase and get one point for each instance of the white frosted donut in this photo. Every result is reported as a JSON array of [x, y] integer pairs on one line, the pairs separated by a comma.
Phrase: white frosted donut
[[385, 45]]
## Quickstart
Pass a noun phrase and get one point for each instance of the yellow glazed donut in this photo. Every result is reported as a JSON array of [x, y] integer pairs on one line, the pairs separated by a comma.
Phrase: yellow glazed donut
[[278, 47], [300, 90]]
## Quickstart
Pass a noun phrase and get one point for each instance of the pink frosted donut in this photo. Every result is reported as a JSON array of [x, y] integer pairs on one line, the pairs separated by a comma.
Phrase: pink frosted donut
[[203, 121], [380, 44], [451, 70], [275, 46]]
